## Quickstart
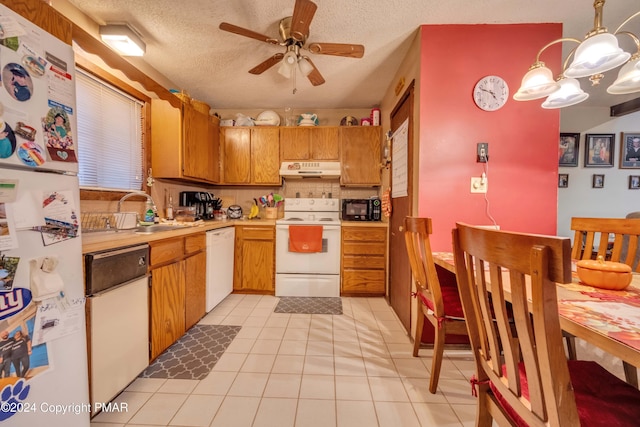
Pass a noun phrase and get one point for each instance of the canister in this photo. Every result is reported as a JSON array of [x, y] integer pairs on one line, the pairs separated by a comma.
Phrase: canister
[[375, 117]]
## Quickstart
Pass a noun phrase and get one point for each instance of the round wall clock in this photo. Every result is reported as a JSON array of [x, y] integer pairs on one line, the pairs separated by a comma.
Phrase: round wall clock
[[491, 93]]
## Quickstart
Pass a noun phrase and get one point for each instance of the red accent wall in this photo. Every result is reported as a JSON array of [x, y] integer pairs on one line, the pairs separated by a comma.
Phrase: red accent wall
[[522, 136]]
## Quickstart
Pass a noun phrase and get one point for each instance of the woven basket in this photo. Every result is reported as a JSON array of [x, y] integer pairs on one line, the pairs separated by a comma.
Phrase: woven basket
[[183, 96], [201, 106]]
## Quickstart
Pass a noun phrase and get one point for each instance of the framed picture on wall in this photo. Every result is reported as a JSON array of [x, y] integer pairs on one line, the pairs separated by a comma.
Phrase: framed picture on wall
[[630, 150], [597, 181], [634, 182], [598, 152], [568, 149], [563, 180]]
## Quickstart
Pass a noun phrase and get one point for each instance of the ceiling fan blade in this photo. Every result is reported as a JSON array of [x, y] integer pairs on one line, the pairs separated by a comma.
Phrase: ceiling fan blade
[[338, 49], [314, 76], [225, 26], [303, 12], [265, 65]]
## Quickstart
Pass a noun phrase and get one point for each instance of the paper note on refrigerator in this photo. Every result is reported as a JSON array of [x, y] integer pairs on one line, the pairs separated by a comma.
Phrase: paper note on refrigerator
[[60, 216], [56, 318], [8, 237]]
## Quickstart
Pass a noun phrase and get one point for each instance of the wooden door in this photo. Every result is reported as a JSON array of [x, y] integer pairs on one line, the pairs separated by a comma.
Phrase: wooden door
[[295, 144], [196, 144], [167, 306], [237, 155], [325, 143], [195, 289], [360, 147], [399, 268]]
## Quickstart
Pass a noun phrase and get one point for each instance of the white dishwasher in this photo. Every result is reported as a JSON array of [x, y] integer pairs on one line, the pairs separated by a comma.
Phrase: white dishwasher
[[220, 248]]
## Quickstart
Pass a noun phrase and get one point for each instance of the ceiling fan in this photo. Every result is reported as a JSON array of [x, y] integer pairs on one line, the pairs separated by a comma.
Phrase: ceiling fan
[[294, 31]]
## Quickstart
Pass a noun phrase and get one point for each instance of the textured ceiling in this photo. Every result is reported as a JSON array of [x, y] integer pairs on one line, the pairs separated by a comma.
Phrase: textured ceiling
[[185, 45]]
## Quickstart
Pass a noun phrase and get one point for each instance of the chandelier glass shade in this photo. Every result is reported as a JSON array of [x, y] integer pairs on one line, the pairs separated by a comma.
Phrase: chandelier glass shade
[[598, 53]]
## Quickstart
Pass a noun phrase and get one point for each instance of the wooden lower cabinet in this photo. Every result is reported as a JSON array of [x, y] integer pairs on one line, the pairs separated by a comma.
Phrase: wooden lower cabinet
[[178, 288], [195, 289], [167, 306], [364, 261], [255, 260]]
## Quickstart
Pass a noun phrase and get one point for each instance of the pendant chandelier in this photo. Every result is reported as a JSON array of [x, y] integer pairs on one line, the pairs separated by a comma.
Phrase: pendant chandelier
[[596, 54]]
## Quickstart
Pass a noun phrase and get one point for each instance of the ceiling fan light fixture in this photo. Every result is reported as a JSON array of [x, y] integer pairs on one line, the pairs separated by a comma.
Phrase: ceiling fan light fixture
[[123, 39], [305, 66], [287, 65]]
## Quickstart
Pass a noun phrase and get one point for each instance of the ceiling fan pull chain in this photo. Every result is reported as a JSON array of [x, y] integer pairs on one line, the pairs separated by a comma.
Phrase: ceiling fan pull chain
[[293, 72]]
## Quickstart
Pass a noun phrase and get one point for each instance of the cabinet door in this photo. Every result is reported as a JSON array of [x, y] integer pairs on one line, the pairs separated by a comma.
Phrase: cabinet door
[[360, 155], [167, 306], [214, 137], [325, 143], [197, 144], [295, 143], [237, 155], [195, 288], [255, 259], [265, 156]]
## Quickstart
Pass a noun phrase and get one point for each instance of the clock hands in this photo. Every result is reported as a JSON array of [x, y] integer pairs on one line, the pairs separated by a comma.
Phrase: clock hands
[[490, 92]]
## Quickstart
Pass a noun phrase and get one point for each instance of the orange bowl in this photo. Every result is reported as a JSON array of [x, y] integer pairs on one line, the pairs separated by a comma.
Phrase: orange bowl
[[604, 274]]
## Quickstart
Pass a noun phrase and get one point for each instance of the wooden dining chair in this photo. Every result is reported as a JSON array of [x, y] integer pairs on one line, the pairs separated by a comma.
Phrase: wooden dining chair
[[523, 377], [439, 304], [615, 239], [606, 237]]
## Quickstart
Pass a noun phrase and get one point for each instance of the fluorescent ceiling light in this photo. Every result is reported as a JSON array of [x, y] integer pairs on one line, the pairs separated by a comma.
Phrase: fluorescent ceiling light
[[123, 40]]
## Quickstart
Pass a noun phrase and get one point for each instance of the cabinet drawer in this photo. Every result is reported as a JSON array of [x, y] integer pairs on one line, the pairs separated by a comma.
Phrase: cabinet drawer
[[258, 233], [369, 234], [356, 248], [194, 243], [363, 281], [363, 262], [164, 251]]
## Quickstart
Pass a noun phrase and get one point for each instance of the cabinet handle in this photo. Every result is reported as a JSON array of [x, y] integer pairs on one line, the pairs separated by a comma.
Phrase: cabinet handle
[[400, 228]]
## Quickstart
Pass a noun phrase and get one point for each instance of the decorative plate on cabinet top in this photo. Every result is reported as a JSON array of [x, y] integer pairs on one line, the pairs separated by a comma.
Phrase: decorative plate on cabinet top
[[349, 121]]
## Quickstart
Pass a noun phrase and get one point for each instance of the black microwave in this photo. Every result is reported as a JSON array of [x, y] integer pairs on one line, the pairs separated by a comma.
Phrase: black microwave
[[362, 209]]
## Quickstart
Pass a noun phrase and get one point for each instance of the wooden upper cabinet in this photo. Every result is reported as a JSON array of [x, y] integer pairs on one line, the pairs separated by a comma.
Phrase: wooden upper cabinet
[[309, 143], [184, 143], [236, 143], [265, 156], [361, 155], [251, 155]]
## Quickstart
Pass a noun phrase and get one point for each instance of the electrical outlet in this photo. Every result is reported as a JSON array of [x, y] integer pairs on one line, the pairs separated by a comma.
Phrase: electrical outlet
[[478, 184], [483, 152]]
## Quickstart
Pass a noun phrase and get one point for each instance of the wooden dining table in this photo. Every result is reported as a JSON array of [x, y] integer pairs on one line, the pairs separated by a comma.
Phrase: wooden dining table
[[607, 319]]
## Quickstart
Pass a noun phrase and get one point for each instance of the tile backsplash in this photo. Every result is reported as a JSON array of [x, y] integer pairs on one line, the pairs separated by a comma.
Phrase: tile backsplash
[[238, 195]]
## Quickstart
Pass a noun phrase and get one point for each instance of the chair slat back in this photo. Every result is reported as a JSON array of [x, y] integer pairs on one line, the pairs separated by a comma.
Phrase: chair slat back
[[522, 269], [417, 231], [614, 239]]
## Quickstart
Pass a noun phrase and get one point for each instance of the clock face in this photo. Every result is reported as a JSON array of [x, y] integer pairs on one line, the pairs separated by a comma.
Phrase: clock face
[[491, 93]]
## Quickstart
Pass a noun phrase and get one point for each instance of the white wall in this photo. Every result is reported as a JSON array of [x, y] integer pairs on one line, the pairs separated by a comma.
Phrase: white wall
[[579, 199]]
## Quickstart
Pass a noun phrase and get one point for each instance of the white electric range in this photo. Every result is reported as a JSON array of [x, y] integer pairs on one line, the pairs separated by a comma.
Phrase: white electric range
[[314, 274]]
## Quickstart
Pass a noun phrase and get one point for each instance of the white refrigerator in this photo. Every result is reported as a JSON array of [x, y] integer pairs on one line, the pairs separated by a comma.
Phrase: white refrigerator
[[42, 317]]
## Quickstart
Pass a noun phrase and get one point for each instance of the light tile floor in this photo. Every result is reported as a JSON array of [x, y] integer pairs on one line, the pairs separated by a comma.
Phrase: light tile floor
[[305, 370]]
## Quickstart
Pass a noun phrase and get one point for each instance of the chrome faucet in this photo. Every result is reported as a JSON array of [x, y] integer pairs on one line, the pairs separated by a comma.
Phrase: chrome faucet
[[137, 193]]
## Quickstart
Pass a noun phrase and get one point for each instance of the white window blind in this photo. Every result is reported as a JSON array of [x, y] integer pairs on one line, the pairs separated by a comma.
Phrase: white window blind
[[110, 148]]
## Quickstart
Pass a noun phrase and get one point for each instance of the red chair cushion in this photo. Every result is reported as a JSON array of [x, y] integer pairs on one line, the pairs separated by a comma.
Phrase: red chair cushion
[[450, 301], [602, 399]]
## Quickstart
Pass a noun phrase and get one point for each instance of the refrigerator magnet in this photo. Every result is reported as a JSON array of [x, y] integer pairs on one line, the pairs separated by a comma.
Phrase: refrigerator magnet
[[31, 154]]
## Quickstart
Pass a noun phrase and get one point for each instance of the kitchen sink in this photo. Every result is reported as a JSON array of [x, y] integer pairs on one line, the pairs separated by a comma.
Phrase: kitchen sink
[[156, 228]]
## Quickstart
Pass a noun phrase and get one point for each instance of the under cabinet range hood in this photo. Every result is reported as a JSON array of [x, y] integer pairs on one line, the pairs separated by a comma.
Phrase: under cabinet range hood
[[310, 169]]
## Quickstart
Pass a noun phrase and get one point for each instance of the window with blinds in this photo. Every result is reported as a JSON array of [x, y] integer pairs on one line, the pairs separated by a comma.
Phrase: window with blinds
[[110, 144]]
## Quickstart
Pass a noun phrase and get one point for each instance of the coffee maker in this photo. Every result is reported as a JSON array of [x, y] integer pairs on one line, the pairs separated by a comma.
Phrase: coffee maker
[[201, 200]]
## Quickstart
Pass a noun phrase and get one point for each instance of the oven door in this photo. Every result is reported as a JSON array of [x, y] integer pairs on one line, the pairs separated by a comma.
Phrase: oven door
[[325, 262]]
